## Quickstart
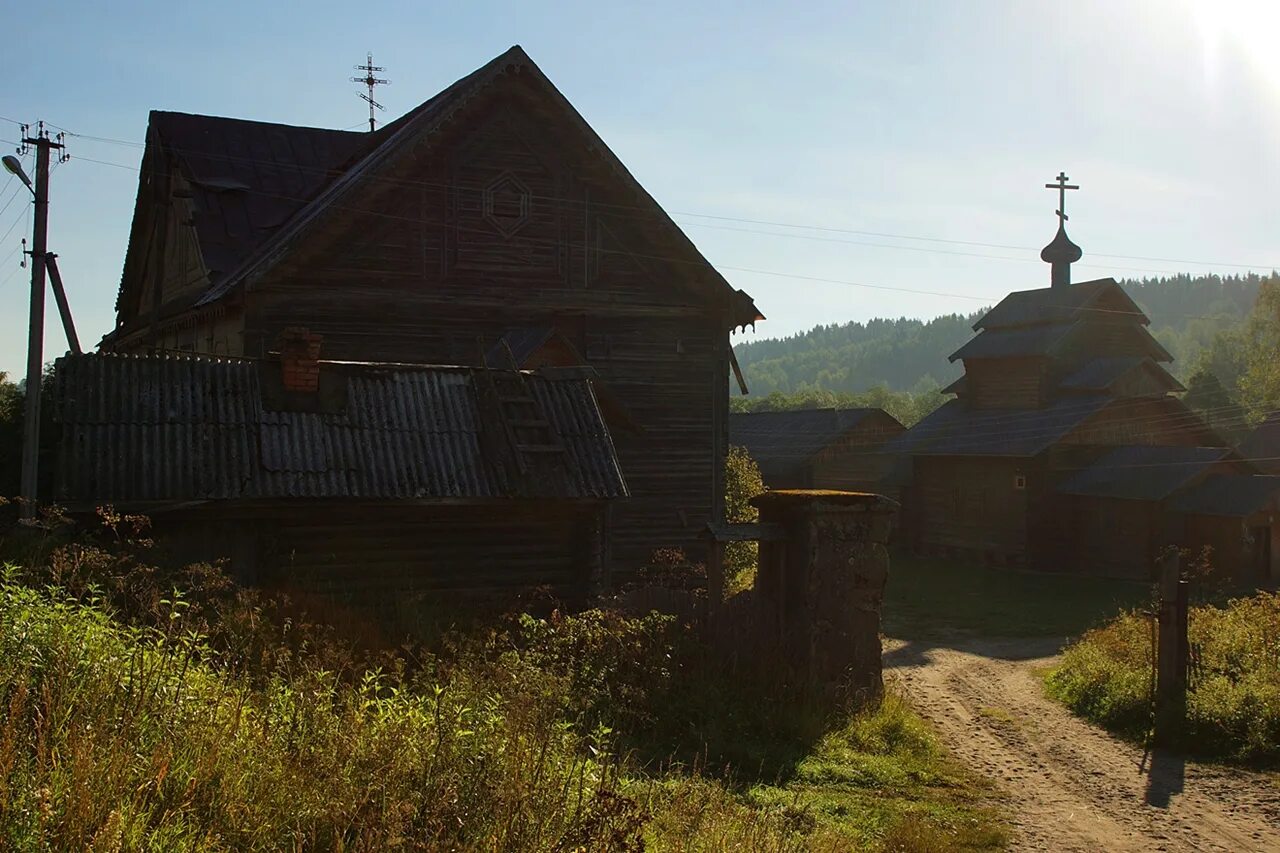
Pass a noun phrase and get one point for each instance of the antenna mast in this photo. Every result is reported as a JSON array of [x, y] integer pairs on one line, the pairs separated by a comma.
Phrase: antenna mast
[[369, 80]]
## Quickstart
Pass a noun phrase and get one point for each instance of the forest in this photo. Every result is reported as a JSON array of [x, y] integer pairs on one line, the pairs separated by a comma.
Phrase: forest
[[907, 354]]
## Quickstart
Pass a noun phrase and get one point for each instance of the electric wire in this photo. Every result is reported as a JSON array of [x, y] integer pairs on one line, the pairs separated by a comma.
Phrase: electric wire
[[743, 220], [651, 257]]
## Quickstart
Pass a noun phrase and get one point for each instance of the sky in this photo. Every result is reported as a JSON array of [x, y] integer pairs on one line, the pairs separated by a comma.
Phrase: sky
[[837, 161]]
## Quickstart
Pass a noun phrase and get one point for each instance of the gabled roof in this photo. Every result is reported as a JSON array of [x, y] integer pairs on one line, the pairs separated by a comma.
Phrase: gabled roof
[[164, 428], [1061, 304], [1103, 373], [954, 429], [380, 150], [1012, 343], [248, 178], [1046, 340], [1142, 472], [781, 440], [1230, 495], [1262, 446]]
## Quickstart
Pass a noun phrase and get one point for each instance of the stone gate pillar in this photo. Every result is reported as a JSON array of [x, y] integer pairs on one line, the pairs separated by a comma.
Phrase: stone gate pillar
[[821, 587]]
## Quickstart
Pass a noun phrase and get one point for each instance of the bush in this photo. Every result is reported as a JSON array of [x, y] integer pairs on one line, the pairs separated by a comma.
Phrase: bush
[[1233, 704], [153, 706], [742, 483]]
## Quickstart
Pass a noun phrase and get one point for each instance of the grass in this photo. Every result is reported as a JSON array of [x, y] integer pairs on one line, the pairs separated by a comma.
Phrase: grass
[[1232, 709], [884, 776], [933, 599], [207, 720]]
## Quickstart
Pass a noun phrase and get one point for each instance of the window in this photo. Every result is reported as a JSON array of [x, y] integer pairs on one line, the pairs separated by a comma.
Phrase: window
[[1020, 481]]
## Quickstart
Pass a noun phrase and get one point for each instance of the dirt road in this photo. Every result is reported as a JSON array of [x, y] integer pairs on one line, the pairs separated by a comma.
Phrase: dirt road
[[1071, 787]]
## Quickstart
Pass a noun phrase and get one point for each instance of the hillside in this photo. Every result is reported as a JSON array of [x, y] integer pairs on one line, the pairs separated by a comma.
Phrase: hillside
[[905, 354]]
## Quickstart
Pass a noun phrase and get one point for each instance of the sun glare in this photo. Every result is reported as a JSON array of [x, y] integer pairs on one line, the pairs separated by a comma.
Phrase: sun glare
[[1249, 29]]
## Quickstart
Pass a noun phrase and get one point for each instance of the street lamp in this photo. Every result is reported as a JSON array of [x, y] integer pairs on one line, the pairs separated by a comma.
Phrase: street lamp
[[14, 166]]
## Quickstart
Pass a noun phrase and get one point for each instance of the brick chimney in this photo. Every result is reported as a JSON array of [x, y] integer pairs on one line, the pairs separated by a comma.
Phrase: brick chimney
[[299, 358]]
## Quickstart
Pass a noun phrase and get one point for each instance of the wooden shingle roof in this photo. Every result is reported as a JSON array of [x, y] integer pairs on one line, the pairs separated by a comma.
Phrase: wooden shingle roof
[[1102, 297]]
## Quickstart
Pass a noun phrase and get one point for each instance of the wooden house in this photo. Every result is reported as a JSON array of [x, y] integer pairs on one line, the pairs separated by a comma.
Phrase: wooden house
[[489, 225], [818, 448], [353, 478], [1064, 445]]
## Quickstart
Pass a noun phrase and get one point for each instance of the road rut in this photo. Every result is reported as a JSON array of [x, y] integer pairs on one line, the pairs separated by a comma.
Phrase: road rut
[[1070, 785]]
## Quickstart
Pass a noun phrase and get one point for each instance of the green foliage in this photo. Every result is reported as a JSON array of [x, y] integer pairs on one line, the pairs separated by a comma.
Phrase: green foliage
[[151, 707], [11, 401], [1260, 382], [742, 482], [1233, 706], [852, 357], [1189, 315]]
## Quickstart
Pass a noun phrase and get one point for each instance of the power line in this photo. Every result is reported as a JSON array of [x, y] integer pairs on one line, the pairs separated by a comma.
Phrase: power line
[[747, 221], [644, 256]]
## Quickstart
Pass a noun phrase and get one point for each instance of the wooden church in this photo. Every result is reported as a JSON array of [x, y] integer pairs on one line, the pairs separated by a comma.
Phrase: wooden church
[[1065, 446], [489, 227]]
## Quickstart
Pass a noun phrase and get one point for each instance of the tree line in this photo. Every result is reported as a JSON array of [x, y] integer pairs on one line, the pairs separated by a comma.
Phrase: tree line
[[1222, 334]]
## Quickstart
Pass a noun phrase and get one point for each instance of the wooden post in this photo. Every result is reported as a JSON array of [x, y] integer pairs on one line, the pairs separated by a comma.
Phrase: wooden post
[[1172, 655]]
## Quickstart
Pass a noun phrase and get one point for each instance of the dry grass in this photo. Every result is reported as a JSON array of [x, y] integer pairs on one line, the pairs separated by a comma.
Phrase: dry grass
[[167, 709]]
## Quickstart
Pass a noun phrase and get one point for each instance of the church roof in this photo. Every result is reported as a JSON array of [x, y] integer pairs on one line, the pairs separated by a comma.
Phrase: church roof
[[1142, 472], [1102, 373], [1061, 304], [1049, 338], [1262, 446], [1014, 342], [1231, 495], [954, 429]]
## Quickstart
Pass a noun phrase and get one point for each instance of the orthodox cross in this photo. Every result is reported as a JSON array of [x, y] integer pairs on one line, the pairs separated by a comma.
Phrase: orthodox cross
[[1062, 186], [369, 80]]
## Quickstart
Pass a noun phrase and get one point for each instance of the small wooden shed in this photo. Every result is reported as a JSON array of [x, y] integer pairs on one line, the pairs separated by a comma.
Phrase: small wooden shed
[[818, 448], [359, 479]]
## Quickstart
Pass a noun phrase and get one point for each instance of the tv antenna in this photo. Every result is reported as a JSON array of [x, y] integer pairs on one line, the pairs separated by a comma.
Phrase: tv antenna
[[369, 80]]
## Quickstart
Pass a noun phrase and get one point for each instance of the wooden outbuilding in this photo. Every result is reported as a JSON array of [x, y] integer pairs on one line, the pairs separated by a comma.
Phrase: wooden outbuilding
[[818, 448], [489, 225], [360, 479]]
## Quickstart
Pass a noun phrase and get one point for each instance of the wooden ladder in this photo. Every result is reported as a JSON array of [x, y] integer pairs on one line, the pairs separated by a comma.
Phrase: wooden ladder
[[530, 435]]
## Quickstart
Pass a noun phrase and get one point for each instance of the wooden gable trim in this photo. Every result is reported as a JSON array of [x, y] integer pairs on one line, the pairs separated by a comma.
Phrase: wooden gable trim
[[421, 127]]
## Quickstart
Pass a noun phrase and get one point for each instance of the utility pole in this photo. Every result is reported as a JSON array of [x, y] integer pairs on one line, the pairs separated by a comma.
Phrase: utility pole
[[43, 144], [369, 80]]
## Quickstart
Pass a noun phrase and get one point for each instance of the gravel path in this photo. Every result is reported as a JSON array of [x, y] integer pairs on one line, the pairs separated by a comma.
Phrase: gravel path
[[1071, 786]]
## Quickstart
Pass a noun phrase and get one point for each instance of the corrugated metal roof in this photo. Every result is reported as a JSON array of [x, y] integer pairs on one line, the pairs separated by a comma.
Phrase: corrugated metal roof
[[1101, 373], [160, 428], [954, 429], [779, 441], [1056, 304], [1142, 472], [1231, 495]]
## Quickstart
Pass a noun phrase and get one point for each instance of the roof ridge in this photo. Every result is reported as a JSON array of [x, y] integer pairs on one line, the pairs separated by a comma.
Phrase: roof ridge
[[210, 117]]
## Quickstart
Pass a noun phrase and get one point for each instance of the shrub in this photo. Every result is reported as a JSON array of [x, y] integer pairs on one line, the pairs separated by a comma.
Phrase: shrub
[[742, 483], [1233, 704]]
